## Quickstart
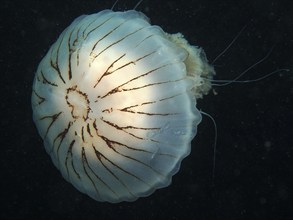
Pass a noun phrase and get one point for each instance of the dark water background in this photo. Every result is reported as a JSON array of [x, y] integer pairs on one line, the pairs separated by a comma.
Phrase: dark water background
[[254, 167]]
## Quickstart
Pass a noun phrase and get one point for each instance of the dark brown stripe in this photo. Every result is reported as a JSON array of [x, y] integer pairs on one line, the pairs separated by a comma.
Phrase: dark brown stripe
[[107, 72], [85, 163], [46, 81], [118, 88], [92, 30], [42, 99], [61, 136], [70, 51], [92, 54], [128, 127], [100, 157], [115, 142], [82, 135], [111, 143], [151, 84], [70, 154], [116, 42], [89, 130], [55, 65], [53, 118]]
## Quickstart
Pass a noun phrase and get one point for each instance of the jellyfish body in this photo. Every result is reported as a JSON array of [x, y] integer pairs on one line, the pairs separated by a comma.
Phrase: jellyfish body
[[114, 100]]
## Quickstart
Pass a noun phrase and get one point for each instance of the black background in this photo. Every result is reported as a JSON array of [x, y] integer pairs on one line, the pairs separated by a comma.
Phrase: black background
[[253, 175]]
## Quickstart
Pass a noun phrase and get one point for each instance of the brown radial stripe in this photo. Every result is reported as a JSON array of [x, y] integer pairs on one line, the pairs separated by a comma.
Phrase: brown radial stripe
[[46, 81], [118, 88], [86, 164], [61, 136], [55, 65], [99, 157], [116, 42], [128, 127], [53, 118], [115, 142], [42, 99], [70, 154]]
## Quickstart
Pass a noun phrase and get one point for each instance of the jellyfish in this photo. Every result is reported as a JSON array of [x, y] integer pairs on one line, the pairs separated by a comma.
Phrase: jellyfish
[[114, 100]]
